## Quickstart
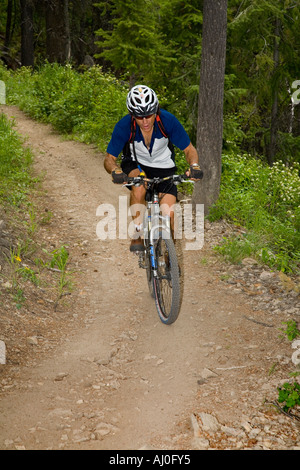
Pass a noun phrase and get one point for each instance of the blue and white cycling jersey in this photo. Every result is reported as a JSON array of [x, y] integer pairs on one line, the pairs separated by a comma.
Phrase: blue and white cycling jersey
[[159, 154]]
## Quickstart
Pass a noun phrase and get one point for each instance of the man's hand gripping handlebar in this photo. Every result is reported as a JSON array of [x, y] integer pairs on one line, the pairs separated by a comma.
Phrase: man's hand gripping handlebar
[[118, 176]]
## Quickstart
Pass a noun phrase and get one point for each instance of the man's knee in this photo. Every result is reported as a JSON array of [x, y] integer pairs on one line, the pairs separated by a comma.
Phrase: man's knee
[[138, 194]]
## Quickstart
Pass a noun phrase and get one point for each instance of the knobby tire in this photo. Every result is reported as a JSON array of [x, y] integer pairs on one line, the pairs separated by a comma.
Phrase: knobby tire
[[167, 286]]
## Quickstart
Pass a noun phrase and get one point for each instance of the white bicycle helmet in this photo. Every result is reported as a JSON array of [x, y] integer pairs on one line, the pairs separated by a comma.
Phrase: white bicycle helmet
[[142, 101]]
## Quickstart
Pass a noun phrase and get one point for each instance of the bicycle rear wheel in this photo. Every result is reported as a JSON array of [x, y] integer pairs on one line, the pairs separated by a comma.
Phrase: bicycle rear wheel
[[167, 289]]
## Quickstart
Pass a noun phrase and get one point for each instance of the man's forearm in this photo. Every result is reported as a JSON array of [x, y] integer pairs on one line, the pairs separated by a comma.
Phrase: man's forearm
[[110, 163], [191, 155]]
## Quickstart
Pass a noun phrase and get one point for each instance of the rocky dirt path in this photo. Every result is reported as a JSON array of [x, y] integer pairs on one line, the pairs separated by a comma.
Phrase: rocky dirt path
[[111, 375]]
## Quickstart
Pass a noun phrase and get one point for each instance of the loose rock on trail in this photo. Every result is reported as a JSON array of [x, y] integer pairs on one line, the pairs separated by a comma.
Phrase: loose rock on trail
[[105, 373]]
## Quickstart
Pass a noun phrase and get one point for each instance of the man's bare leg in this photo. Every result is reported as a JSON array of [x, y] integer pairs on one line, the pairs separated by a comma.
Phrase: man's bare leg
[[137, 203]]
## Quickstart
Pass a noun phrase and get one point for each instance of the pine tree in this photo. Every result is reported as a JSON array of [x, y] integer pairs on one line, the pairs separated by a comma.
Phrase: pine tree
[[181, 23], [133, 45], [264, 56]]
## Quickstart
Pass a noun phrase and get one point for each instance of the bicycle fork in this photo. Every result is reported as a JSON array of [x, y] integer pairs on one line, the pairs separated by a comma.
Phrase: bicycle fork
[[150, 222], [153, 225]]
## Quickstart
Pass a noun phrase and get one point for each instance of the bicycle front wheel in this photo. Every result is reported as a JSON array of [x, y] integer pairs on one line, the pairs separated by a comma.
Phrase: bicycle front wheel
[[167, 289]]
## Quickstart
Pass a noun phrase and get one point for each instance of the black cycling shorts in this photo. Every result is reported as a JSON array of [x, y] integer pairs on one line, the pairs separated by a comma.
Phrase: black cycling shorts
[[167, 187]]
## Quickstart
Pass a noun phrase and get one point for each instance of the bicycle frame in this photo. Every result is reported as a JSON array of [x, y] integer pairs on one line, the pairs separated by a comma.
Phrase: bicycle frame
[[153, 223]]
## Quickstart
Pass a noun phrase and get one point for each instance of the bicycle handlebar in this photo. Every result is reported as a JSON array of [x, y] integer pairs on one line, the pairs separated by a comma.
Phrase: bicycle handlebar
[[139, 180]]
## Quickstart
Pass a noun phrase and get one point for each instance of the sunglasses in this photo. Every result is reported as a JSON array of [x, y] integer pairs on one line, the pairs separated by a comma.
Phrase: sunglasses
[[140, 118]]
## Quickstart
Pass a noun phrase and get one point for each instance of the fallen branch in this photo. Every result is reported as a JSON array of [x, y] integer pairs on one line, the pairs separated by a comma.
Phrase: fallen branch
[[259, 322], [290, 415]]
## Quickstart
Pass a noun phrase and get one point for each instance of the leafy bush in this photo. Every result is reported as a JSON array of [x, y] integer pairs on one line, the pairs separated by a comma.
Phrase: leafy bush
[[266, 201], [84, 105], [289, 395]]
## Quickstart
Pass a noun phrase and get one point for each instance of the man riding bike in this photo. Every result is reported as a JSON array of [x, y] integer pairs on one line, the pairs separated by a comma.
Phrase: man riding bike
[[146, 137]]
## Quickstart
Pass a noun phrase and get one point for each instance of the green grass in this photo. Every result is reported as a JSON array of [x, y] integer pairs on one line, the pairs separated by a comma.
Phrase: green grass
[[15, 166], [16, 190]]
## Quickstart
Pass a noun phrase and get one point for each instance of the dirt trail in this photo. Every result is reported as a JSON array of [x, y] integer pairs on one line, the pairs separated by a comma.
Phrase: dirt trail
[[117, 377]]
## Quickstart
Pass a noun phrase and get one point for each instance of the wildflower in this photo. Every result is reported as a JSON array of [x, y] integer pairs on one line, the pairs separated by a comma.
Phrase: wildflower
[[17, 258]]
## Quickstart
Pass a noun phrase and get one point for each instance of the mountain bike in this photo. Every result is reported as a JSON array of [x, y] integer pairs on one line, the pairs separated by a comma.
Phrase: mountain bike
[[159, 258]]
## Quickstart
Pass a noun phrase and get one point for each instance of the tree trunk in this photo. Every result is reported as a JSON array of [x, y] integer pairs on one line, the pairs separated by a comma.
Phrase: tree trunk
[[210, 105], [8, 24], [78, 28], [131, 81], [58, 31], [274, 112], [27, 33]]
